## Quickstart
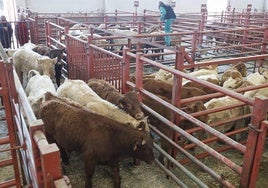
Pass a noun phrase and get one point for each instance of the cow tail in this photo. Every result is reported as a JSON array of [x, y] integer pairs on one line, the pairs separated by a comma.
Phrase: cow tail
[[32, 73]]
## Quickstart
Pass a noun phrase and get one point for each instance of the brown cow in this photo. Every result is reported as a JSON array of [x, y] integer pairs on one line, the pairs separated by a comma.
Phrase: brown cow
[[167, 113], [98, 138], [129, 102], [207, 89], [164, 89]]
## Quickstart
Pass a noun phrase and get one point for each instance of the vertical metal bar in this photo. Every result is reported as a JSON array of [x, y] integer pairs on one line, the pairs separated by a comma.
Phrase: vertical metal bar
[[125, 70], [139, 72], [258, 154], [7, 97], [259, 115]]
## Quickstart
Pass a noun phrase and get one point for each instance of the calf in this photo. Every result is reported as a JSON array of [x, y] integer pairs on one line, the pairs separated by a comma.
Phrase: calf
[[52, 53], [57, 53], [129, 102], [41, 49], [167, 113], [226, 115], [256, 78], [99, 139], [231, 79], [36, 88], [164, 89], [25, 60], [80, 92]]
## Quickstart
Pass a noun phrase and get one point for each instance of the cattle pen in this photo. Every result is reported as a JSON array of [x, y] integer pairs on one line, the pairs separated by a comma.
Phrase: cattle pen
[[193, 161]]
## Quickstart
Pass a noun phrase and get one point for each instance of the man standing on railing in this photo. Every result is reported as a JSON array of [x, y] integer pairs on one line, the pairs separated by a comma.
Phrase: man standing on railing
[[167, 16]]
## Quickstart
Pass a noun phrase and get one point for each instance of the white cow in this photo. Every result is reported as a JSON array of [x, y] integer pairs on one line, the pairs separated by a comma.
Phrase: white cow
[[206, 73], [36, 88], [26, 60], [225, 115], [256, 78]]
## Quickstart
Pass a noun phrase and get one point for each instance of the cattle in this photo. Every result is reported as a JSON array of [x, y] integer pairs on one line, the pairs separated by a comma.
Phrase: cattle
[[261, 93], [41, 49], [204, 73], [80, 92], [256, 78], [98, 138], [207, 89], [165, 89], [57, 53], [128, 102], [97, 39], [28, 46], [167, 113], [25, 60], [226, 115], [163, 75], [119, 43], [232, 78], [157, 36], [52, 53], [36, 88], [263, 72]]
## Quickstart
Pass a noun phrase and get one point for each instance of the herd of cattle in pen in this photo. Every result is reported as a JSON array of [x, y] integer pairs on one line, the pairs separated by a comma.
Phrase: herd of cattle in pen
[[105, 126], [81, 31]]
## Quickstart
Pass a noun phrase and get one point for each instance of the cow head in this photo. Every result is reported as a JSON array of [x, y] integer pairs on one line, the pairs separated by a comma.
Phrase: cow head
[[234, 81], [47, 66], [241, 67], [131, 104], [143, 149]]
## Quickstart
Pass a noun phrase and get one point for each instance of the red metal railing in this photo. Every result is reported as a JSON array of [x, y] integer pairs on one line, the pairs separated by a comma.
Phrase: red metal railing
[[35, 152], [86, 60], [255, 141]]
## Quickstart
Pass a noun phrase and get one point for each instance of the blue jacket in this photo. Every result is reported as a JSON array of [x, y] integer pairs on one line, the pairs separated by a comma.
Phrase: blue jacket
[[166, 12]]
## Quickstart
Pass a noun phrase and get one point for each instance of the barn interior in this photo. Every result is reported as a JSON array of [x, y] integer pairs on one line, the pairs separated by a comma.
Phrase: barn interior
[[215, 138]]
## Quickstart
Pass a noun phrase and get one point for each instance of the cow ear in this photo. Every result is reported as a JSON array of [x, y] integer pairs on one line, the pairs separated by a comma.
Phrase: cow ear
[[55, 60], [39, 61], [121, 103], [135, 146], [141, 126]]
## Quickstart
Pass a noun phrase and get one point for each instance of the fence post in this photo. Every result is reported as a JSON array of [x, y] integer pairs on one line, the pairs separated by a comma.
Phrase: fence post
[[194, 41], [139, 72], [176, 91], [259, 153], [36, 126], [90, 57], [125, 69], [259, 114]]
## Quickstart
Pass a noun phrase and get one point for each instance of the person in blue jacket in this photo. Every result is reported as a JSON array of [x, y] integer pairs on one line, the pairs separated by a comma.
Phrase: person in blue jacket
[[167, 16]]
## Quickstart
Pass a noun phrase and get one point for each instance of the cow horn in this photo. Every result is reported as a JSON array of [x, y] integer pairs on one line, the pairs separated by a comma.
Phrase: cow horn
[[143, 142], [135, 147]]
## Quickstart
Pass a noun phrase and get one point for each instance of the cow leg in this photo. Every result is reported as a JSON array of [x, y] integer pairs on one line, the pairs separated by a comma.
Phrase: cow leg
[[162, 56], [64, 155], [115, 169], [90, 169], [58, 68]]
